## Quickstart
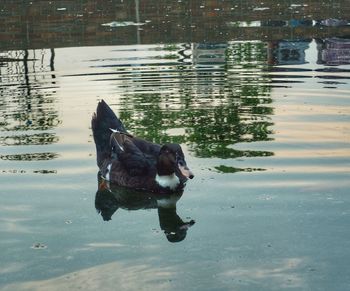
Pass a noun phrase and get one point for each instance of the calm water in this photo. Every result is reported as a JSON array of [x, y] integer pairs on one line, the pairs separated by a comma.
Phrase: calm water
[[264, 126]]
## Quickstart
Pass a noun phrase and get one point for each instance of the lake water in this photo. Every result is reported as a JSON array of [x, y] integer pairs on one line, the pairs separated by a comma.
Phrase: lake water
[[265, 127]]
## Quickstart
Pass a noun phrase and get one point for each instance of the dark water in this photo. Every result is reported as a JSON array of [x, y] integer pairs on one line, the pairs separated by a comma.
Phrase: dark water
[[264, 124]]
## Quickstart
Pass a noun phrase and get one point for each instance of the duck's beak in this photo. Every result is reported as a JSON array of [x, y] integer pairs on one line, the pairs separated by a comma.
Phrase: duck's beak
[[185, 171]]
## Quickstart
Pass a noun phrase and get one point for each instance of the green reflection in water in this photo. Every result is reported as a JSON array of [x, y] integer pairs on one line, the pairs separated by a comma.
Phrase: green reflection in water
[[223, 100], [29, 157], [227, 169], [29, 139]]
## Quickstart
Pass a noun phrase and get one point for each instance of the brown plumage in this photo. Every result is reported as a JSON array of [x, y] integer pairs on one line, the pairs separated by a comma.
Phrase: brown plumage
[[134, 162]]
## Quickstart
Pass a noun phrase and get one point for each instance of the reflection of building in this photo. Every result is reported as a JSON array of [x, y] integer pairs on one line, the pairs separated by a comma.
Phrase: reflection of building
[[287, 23], [333, 51], [333, 22], [287, 52], [209, 54]]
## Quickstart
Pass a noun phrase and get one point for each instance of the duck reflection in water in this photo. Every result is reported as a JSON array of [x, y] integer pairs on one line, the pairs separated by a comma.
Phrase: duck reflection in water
[[109, 198]]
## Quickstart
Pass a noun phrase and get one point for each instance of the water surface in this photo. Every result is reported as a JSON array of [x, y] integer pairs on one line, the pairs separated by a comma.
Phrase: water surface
[[264, 125]]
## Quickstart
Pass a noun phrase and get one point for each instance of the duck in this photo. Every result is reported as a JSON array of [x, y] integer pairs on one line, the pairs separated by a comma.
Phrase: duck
[[133, 162]]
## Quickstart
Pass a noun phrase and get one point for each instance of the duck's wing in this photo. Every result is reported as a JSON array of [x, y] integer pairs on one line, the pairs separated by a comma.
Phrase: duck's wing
[[148, 148], [135, 161]]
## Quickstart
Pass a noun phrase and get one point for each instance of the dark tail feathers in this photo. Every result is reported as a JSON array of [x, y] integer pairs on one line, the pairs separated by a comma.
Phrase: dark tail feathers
[[102, 122]]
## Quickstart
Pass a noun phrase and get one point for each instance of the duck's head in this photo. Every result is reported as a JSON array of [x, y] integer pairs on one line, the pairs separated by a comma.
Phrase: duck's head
[[171, 160]]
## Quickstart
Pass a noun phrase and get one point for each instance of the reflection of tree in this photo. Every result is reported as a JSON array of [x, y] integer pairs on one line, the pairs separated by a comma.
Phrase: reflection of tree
[[27, 87], [27, 101], [29, 157], [29, 139], [217, 104]]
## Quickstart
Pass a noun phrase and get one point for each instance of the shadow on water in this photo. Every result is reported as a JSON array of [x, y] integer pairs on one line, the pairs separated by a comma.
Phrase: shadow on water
[[109, 198]]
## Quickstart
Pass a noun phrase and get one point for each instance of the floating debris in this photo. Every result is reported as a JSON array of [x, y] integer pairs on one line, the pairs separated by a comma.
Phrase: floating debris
[[261, 8], [265, 197], [45, 171], [114, 24], [244, 24], [38, 246]]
